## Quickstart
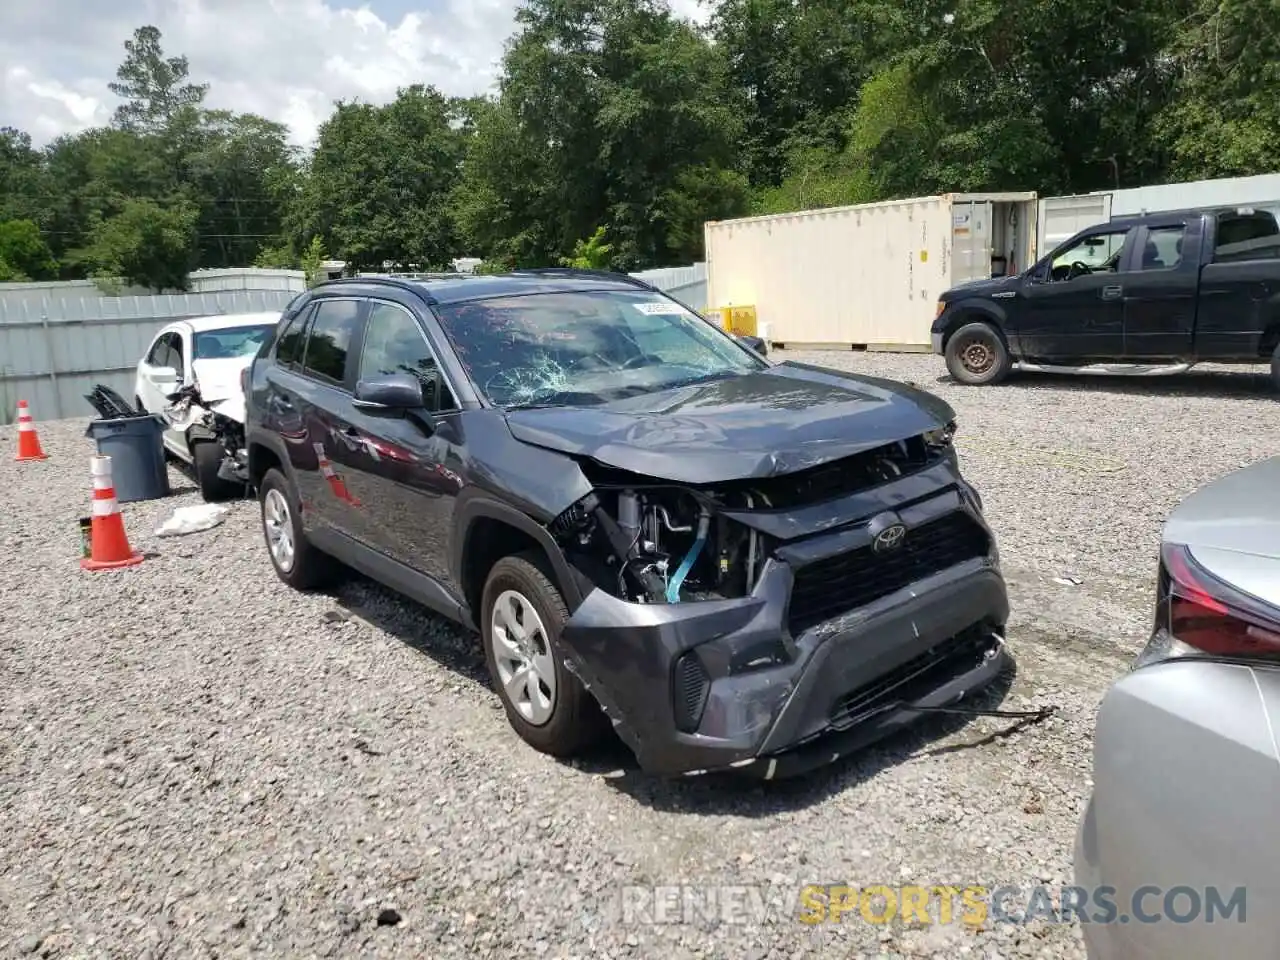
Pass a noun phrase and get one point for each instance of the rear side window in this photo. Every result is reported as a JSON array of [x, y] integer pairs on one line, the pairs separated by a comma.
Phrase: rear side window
[[294, 339], [333, 329], [159, 355]]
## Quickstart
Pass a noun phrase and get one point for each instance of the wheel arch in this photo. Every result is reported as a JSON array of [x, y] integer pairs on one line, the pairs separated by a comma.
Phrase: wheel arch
[[966, 312], [487, 530]]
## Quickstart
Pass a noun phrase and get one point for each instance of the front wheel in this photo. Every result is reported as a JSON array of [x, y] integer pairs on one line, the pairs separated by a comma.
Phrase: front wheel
[[976, 355], [207, 458], [521, 614]]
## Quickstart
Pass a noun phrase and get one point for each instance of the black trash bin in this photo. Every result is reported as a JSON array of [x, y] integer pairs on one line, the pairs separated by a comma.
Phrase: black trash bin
[[136, 449]]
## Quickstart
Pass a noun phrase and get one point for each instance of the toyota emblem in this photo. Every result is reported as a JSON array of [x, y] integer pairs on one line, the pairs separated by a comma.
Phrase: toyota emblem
[[890, 538]]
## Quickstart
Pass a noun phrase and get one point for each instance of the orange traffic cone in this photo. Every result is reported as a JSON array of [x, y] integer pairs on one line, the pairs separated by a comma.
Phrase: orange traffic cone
[[28, 439], [109, 546]]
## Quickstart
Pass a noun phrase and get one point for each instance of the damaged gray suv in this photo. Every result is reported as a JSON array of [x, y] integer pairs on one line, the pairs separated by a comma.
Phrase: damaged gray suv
[[737, 564]]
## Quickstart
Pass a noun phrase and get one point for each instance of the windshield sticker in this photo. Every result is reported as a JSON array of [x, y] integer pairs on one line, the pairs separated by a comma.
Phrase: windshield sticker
[[663, 308]]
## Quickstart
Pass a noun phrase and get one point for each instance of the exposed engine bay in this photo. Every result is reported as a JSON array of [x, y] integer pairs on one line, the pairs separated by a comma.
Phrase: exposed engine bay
[[646, 541]]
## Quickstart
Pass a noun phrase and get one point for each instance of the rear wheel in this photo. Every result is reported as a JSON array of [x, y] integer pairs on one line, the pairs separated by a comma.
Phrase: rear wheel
[[1275, 369], [976, 355], [295, 560], [521, 615]]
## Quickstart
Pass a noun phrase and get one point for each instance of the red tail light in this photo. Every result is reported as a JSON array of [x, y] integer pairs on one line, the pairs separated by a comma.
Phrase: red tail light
[[1203, 612]]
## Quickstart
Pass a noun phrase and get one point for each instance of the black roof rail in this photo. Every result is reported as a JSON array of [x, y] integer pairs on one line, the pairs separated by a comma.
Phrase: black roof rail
[[585, 274], [410, 286]]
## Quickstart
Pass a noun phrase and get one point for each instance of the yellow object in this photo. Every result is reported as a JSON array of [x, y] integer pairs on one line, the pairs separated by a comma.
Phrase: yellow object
[[742, 321], [924, 256]]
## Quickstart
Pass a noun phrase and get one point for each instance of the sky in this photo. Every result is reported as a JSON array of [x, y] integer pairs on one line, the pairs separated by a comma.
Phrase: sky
[[287, 60]]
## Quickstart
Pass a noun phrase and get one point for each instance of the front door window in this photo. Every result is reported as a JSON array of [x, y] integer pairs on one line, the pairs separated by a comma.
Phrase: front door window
[[1101, 252]]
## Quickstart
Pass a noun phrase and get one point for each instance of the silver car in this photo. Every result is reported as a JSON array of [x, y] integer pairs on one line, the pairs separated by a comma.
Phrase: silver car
[[1179, 848]]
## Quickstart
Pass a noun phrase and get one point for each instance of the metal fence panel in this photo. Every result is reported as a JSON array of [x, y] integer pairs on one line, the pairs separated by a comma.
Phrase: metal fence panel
[[55, 349]]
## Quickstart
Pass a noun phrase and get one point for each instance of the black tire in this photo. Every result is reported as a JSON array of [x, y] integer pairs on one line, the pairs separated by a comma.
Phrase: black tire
[[1275, 369], [310, 569], [977, 355], [576, 721], [207, 458]]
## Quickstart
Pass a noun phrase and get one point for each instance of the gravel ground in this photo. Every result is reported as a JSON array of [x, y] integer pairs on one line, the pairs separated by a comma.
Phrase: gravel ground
[[195, 761]]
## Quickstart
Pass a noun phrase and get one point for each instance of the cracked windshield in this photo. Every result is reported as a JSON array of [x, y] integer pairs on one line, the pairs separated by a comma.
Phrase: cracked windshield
[[570, 349]]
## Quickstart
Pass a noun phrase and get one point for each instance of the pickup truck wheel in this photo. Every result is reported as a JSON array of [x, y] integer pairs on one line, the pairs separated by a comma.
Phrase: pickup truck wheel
[[207, 458], [1275, 369], [295, 560], [977, 356], [521, 615]]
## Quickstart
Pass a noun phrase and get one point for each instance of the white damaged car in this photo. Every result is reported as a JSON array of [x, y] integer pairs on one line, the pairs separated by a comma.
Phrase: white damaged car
[[190, 376]]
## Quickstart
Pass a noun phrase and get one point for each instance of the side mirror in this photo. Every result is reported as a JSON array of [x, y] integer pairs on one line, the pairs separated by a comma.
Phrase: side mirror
[[394, 391], [162, 375], [754, 343]]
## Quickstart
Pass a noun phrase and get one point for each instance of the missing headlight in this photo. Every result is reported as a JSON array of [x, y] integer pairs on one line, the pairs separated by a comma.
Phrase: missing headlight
[[940, 438], [656, 544]]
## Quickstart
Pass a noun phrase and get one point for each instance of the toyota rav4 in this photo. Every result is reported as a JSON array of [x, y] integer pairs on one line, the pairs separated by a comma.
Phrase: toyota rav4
[[734, 562]]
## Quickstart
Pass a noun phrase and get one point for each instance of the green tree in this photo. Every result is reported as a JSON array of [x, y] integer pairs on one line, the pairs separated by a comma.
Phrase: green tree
[[1225, 118], [24, 253], [590, 254], [378, 186], [613, 113], [144, 244], [153, 86], [241, 173]]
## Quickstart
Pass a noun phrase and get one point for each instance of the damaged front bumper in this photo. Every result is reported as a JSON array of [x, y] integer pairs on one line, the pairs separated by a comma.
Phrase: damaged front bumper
[[748, 684], [235, 467]]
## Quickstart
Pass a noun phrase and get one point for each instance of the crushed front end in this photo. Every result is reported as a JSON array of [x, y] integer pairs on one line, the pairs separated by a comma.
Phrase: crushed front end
[[773, 625]]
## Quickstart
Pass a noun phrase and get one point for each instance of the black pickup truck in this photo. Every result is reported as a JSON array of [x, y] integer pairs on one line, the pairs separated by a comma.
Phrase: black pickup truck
[[1146, 295]]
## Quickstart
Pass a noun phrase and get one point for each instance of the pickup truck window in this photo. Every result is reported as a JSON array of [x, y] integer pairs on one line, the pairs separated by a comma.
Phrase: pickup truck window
[[1099, 252], [1247, 237], [1163, 249]]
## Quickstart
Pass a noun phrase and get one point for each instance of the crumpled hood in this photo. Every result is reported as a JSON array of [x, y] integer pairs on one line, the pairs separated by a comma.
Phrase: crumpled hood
[[780, 420], [219, 383], [219, 378]]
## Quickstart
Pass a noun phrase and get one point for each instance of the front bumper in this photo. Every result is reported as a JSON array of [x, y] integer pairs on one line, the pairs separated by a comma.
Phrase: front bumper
[[771, 705]]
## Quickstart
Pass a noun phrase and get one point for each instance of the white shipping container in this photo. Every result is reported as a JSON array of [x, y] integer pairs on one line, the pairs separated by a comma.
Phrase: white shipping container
[[867, 275]]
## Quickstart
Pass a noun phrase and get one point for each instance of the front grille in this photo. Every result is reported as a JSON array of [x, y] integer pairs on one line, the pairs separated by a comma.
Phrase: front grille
[[836, 585], [912, 680], [692, 684]]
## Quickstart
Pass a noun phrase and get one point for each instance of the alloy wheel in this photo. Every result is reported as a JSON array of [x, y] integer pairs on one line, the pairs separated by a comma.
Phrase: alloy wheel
[[279, 527], [522, 652]]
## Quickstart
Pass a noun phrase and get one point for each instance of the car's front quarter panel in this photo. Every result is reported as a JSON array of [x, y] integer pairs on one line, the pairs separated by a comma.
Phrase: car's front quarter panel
[[1186, 775]]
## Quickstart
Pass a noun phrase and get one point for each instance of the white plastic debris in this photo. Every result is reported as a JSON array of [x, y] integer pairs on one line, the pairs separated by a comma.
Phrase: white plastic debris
[[185, 520], [1068, 581]]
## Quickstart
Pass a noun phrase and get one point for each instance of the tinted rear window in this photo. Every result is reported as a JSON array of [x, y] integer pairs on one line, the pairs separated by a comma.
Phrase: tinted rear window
[[294, 338], [332, 330]]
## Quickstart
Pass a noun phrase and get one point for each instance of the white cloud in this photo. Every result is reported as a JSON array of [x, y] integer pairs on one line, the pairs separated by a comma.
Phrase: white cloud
[[288, 60]]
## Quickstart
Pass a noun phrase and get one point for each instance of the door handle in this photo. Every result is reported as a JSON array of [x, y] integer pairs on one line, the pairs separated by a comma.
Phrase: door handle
[[1112, 292]]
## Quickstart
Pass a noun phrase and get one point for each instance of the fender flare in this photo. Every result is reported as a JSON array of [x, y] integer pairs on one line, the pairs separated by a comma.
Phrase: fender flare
[[974, 311], [480, 506], [269, 441]]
